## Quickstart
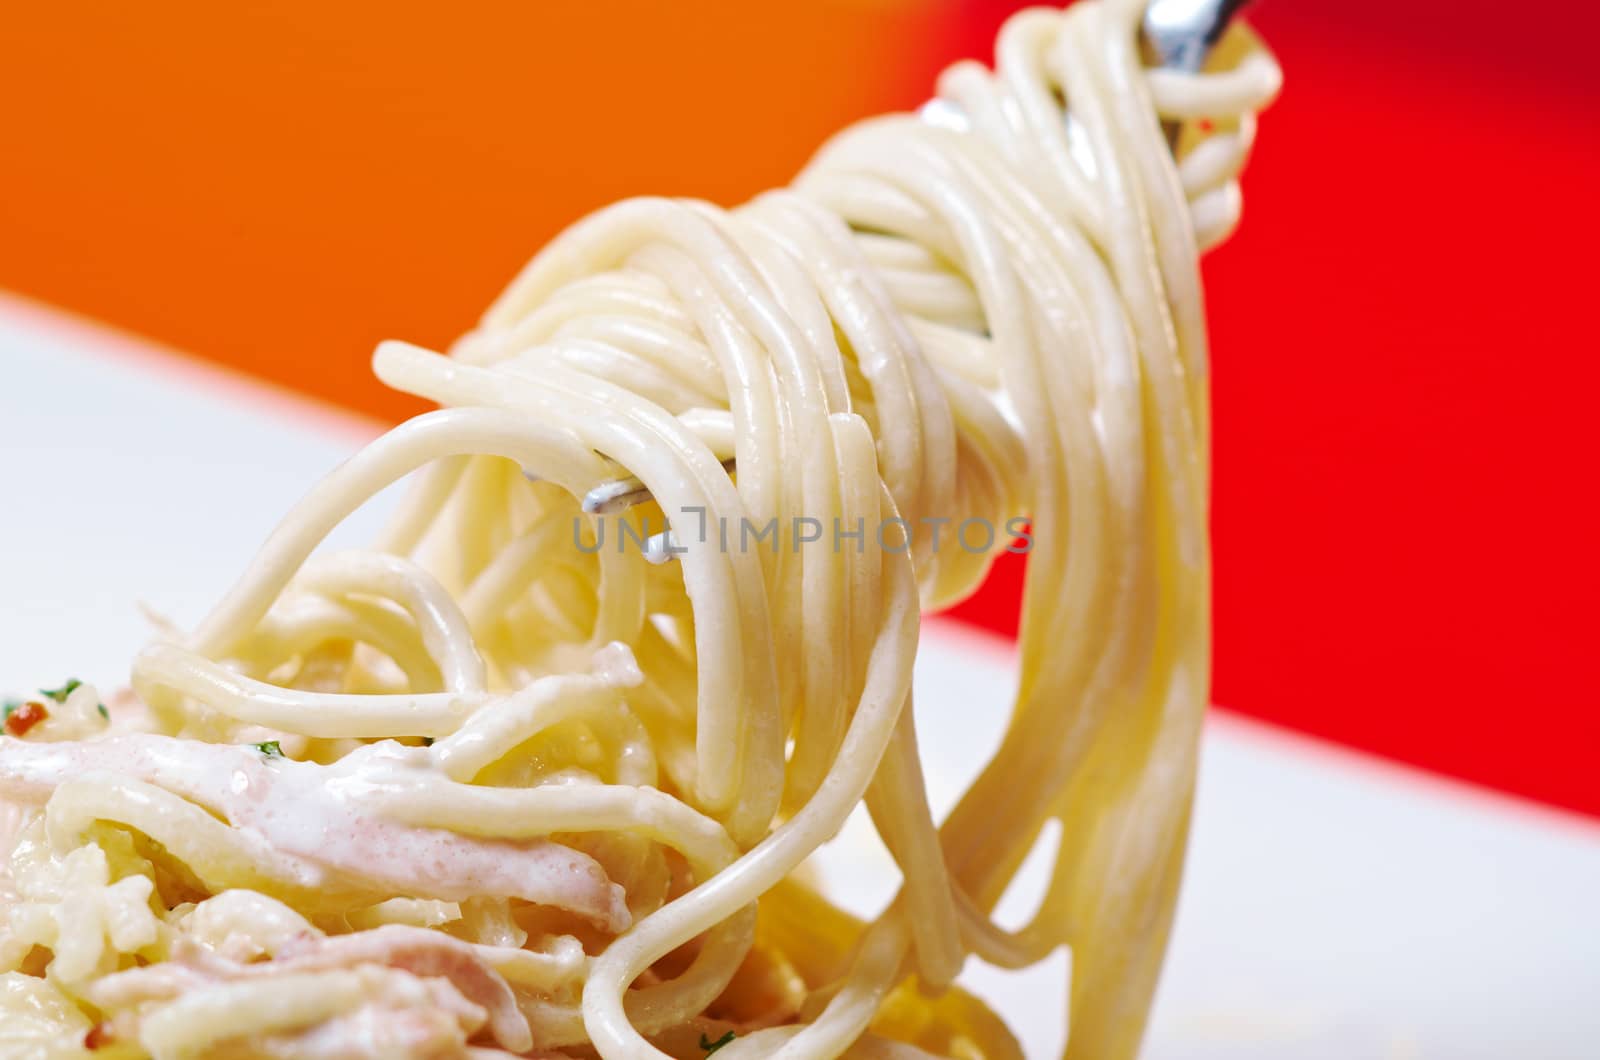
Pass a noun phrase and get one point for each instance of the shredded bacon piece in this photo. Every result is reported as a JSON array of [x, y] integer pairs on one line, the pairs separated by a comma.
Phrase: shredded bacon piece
[[425, 954], [428, 956], [98, 1035], [25, 717]]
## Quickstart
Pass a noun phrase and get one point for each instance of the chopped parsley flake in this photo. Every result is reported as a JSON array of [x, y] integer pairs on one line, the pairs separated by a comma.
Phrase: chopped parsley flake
[[60, 694], [711, 1047], [270, 749], [104, 713]]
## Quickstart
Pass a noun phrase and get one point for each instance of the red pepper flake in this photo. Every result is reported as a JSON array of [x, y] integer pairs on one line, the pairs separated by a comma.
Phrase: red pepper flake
[[97, 1036], [25, 717], [1204, 125]]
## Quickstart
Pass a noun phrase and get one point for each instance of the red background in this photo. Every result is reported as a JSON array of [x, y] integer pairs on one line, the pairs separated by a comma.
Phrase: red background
[[1405, 368], [1406, 376]]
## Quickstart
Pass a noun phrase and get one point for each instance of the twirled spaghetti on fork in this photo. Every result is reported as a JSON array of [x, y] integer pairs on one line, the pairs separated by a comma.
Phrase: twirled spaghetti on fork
[[502, 785]]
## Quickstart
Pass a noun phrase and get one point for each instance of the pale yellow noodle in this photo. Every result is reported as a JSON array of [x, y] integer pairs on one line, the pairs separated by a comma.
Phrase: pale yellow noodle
[[981, 318]]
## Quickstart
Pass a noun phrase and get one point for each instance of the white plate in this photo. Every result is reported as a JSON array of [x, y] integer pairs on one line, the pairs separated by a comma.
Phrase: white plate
[[1334, 906]]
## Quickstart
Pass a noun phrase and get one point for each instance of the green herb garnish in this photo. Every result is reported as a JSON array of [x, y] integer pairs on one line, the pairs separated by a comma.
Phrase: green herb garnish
[[60, 694], [711, 1047], [270, 749], [104, 713]]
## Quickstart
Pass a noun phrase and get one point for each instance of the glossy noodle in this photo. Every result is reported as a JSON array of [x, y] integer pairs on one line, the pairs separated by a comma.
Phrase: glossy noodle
[[540, 771]]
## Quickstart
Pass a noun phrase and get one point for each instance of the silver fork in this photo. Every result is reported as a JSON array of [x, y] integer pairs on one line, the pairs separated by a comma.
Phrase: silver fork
[[1179, 34]]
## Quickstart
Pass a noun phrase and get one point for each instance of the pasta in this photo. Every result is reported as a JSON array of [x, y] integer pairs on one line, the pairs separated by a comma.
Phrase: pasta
[[538, 773]]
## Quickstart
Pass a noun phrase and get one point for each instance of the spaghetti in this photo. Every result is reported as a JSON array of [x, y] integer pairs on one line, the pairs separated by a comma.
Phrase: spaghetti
[[497, 786]]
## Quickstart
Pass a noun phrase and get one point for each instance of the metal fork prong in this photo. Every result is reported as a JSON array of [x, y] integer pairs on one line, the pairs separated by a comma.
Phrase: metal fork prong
[[620, 494], [1179, 34]]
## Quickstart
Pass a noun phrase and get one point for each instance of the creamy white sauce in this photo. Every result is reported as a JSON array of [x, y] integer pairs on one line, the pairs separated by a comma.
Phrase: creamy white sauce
[[320, 822]]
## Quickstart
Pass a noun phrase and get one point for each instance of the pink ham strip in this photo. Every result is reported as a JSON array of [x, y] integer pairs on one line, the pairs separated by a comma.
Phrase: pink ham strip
[[426, 954], [315, 815], [423, 953], [372, 1032]]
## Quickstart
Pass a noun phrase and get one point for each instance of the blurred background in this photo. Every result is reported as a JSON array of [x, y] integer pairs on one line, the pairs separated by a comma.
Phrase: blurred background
[[1405, 364]]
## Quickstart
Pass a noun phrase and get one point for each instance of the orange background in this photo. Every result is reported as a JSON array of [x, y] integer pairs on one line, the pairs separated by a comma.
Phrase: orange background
[[280, 185]]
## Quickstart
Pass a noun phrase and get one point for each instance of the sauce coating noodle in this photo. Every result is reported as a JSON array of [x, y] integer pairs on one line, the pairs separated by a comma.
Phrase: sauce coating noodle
[[507, 783]]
